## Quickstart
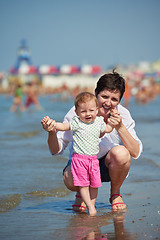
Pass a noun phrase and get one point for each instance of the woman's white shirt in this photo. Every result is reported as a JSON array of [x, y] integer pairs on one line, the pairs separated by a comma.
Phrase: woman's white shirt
[[108, 141]]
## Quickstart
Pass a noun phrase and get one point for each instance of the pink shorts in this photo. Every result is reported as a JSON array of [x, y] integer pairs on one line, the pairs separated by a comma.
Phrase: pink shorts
[[85, 171]]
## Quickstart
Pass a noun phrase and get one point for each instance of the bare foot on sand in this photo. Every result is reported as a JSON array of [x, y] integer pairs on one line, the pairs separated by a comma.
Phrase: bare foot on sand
[[92, 211]]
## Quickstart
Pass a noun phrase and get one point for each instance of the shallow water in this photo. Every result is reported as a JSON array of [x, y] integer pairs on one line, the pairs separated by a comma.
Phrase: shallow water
[[34, 203]]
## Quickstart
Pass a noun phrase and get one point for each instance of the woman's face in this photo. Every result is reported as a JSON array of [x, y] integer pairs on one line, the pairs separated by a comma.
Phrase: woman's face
[[107, 100]]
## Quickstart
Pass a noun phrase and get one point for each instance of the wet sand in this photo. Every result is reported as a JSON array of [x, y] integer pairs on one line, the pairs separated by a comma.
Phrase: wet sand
[[53, 218]]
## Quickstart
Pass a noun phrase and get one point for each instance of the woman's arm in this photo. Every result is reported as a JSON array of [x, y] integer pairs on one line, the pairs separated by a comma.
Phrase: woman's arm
[[58, 141], [51, 127], [129, 142], [53, 142]]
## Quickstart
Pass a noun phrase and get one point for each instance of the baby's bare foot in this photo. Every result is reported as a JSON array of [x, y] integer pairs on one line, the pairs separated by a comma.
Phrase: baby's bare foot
[[92, 211]]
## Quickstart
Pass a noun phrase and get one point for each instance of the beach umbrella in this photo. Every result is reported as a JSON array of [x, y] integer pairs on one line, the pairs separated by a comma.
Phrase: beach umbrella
[[91, 69], [69, 69], [47, 69]]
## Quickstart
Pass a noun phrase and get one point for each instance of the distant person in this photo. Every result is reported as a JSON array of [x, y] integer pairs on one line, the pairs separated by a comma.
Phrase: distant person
[[147, 91], [127, 93], [32, 96], [115, 148], [87, 128], [17, 100]]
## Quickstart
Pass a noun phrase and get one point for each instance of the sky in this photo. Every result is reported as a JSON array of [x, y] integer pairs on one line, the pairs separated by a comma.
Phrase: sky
[[77, 32]]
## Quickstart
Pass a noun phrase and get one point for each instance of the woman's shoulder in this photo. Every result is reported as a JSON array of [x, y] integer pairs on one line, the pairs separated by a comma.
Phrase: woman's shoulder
[[123, 111], [70, 114], [125, 114]]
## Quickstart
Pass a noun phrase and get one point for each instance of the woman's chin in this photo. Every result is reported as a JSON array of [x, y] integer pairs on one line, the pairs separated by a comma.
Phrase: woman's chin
[[105, 113]]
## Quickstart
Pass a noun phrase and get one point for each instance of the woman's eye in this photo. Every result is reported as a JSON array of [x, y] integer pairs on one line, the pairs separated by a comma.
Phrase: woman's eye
[[115, 99], [105, 97]]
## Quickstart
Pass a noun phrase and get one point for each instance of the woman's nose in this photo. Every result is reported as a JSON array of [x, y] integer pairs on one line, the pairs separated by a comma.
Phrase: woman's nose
[[108, 102]]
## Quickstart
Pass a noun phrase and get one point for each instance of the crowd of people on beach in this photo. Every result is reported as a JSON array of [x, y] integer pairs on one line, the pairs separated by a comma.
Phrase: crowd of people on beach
[[143, 90], [31, 91]]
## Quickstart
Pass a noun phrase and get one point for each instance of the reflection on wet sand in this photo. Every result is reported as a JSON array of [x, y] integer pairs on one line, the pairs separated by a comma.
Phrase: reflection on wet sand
[[121, 232], [84, 227]]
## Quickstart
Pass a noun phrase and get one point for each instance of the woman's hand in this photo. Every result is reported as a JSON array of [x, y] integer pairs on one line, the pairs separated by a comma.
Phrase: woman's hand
[[129, 142], [115, 119], [48, 124]]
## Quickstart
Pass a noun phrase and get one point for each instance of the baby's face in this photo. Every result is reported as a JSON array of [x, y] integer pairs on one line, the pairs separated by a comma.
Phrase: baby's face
[[87, 112]]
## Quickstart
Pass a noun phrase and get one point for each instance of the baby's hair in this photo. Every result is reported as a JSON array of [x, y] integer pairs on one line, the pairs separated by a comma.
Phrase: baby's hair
[[84, 97]]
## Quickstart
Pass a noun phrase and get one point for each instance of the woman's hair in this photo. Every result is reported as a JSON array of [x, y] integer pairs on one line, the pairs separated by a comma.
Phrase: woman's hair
[[111, 81], [84, 97]]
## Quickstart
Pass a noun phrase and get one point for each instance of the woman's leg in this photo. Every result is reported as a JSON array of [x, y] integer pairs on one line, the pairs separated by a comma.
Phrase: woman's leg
[[68, 179], [118, 161], [86, 193], [79, 204]]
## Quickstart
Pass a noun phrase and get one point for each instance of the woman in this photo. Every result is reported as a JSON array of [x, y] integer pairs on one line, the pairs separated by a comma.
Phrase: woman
[[116, 148]]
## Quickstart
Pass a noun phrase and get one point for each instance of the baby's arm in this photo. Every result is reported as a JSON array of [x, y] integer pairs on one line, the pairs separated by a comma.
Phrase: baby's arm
[[51, 125], [110, 122], [109, 128], [62, 126]]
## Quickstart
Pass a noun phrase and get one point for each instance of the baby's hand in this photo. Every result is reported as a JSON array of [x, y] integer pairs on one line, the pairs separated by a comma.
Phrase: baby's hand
[[48, 124], [114, 112]]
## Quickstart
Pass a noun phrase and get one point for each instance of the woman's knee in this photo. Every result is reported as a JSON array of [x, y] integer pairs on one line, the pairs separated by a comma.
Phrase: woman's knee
[[68, 179], [119, 155]]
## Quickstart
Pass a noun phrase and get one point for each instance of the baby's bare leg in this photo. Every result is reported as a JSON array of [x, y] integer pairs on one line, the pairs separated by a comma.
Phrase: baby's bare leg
[[93, 194], [85, 194]]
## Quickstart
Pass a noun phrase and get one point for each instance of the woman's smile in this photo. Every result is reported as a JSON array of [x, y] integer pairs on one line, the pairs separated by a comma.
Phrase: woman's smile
[[105, 107]]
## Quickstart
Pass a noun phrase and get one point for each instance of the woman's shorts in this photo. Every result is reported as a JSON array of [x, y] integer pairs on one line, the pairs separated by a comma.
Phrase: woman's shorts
[[103, 169]]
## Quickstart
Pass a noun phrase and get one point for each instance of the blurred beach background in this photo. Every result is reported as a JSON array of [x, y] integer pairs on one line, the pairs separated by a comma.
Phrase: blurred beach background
[[50, 51]]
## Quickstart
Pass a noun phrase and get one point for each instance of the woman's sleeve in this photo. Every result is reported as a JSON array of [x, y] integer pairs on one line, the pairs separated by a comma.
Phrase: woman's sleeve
[[65, 137], [130, 125]]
